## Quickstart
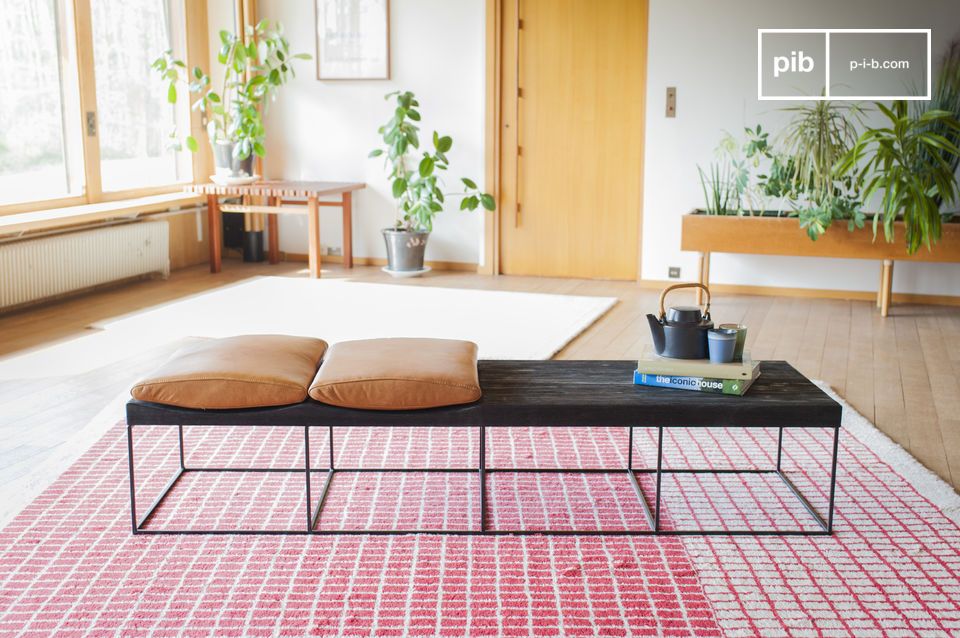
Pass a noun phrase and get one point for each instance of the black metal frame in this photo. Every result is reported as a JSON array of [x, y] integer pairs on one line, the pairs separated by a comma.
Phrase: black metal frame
[[652, 515]]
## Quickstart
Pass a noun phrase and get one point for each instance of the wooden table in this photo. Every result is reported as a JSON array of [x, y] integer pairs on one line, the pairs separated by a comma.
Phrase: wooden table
[[278, 194], [542, 393]]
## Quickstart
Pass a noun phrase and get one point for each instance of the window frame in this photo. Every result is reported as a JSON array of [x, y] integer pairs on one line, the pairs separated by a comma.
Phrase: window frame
[[189, 19]]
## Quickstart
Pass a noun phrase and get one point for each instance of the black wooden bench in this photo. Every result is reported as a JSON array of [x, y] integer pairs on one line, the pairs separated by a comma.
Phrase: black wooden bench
[[535, 393]]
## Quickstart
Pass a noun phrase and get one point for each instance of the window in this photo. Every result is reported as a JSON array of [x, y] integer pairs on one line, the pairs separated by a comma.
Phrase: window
[[134, 116], [82, 128], [40, 145]]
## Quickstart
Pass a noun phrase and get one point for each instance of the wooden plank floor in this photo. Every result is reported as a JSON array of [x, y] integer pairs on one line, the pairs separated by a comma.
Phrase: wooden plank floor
[[902, 373]]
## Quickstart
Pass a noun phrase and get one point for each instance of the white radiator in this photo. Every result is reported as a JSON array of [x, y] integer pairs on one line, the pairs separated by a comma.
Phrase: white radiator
[[34, 269]]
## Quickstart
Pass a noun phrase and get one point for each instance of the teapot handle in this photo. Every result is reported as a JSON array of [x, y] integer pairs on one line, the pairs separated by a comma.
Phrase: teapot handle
[[663, 298]]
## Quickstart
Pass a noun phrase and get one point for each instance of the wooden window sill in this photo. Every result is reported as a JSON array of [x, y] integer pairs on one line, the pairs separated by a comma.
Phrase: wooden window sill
[[73, 215]]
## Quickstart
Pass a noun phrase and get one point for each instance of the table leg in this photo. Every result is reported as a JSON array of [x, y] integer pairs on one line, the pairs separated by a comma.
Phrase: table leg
[[347, 201], [887, 290], [779, 448], [214, 232], [703, 276], [833, 478], [313, 230], [883, 273], [273, 230], [483, 478], [306, 471], [133, 484], [656, 515]]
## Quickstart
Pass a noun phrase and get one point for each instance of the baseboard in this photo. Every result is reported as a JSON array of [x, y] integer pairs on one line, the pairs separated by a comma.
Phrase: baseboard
[[822, 293], [459, 266]]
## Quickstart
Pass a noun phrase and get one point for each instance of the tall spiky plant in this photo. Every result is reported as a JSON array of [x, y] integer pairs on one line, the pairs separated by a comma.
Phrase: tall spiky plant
[[817, 137]]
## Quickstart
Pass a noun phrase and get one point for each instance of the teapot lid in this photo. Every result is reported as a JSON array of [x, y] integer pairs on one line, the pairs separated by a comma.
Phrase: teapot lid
[[684, 314]]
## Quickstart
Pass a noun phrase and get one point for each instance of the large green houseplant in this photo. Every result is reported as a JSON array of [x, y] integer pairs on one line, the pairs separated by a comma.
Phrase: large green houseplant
[[416, 184], [912, 163], [253, 71]]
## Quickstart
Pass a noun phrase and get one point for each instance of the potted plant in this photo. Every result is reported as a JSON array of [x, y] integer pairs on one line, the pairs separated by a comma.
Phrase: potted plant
[[252, 74], [910, 161], [416, 185], [800, 175]]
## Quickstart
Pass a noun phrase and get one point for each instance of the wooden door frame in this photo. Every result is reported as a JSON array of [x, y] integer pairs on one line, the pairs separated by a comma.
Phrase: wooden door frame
[[493, 152]]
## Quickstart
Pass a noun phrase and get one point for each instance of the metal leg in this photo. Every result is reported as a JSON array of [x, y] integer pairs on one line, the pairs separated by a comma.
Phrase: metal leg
[[779, 447], [180, 436], [306, 473], [138, 524], [330, 445], [656, 517], [326, 484], [826, 525], [652, 514], [636, 485], [833, 478], [133, 489], [483, 478], [156, 503], [643, 499], [321, 501]]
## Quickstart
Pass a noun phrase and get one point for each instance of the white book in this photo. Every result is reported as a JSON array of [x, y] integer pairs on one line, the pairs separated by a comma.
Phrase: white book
[[652, 363]]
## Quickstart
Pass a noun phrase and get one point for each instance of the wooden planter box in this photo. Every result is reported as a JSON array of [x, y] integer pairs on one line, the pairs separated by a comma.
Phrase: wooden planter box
[[783, 236]]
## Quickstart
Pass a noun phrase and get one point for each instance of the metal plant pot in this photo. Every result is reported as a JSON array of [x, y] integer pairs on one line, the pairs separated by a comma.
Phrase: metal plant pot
[[405, 249], [229, 166]]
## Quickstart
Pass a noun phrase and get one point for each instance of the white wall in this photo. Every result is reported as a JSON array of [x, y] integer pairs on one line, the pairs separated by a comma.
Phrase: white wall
[[324, 130], [708, 50]]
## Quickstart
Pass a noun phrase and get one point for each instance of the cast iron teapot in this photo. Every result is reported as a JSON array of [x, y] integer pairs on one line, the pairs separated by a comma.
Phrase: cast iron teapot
[[681, 331]]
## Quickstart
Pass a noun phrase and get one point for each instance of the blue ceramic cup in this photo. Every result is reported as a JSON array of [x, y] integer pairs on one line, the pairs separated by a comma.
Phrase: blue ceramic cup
[[722, 344]]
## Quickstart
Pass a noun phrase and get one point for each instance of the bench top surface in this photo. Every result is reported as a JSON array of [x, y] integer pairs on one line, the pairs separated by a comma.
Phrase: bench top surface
[[561, 393]]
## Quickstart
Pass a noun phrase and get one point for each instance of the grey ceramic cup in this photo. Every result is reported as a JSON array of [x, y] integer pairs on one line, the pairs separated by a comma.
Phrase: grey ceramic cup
[[741, 338], [722, 344]]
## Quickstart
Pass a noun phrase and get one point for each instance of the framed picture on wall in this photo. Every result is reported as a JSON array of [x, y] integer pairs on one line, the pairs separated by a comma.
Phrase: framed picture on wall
[[353, 39]]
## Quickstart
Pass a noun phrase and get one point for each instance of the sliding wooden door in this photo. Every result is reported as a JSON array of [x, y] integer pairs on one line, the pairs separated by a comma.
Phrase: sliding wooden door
[[571, 125]]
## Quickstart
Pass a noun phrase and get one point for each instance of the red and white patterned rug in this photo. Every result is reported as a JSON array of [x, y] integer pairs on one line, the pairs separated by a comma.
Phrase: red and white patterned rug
[[70, 567]]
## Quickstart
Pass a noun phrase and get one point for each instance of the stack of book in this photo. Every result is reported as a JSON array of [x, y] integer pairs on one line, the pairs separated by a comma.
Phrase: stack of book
[[697, 374]]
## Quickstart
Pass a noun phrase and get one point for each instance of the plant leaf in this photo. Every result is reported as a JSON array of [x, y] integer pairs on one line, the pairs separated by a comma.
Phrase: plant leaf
[[426, 166]]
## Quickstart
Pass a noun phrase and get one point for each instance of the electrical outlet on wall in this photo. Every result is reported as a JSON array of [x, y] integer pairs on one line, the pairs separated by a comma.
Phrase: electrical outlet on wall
[[673, 272]]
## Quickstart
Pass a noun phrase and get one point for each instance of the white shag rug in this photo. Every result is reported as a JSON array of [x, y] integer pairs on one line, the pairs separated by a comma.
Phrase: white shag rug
[[505, 325]]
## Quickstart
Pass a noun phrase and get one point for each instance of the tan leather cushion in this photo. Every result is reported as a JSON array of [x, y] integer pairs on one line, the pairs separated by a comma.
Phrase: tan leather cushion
[[236, 372], [398, 374]]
